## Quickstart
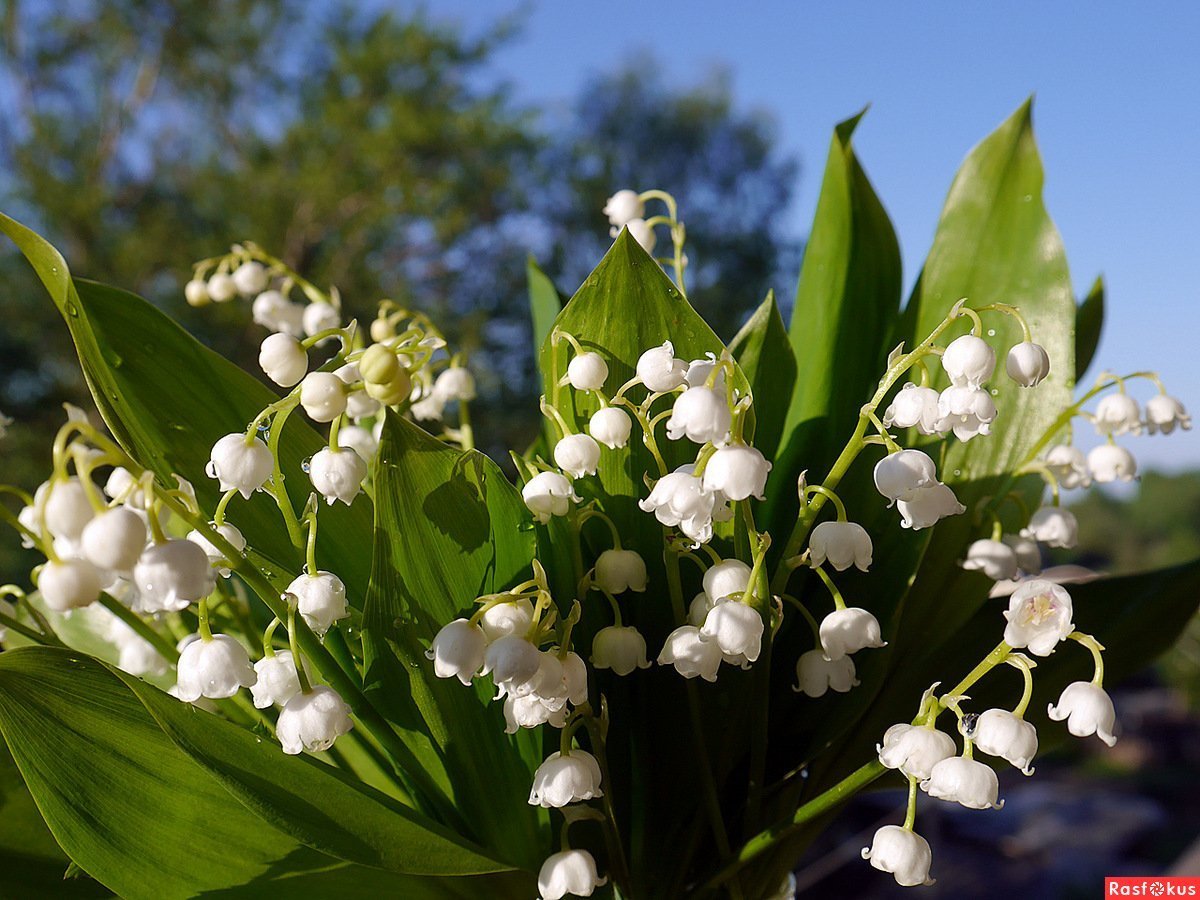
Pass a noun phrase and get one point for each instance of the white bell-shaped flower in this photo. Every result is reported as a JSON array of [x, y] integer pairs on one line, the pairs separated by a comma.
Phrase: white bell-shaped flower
[[171, 575], [623, 207], [587, 372], [1108, 463], [321, 600], [67, 509], [561, 780], [1039, 616], [358, 439], [283, 359], [568, 872], [114, 539], [1054, 526], [929, 505], [1088, 710], [691, 653], [69, 584], [530, 711], [457, 650], [1118, 414], [577, 455], [913, 406], [455, 383], [815, 674], [239, 464], [276, 680], [966, 411], [575, 678], [699, 369], [361, 405], [337, 474], [510, 617], [642, 232], [968, 782], [901, 475], [728, 578], [1028, 364], [1164, 414], [618, 571], [1027, 552], [737, 629], [699, 609], [737, 472], [137, 656], [969, 361], [512, 662], [323, 396], [222, 288], [216, 557], [195, 292], [313, 721], [250, 278], [123, 487], [901, 852], [274, 311], [611, 427], [318, 317], [428, 409], [1000, 733], [1068, 464], [214, 668], [679, 498], [846, 631], [995, 559], [843, 544], [701, 414], [914, 749], [548, 494], [659, 370], [620, 648]]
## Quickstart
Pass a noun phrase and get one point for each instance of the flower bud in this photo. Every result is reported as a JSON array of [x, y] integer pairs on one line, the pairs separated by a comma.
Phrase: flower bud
[[568, 872], [171, 575], [378, 364], [964, 781], [1053, 526], [1068, 464], [624, 206], [1108, 462], [903, 853], [1164, 413], [358, 439], [221, 288], [691, 653], [737, 629], [321, 600], [1028, 364], [455, 383], [67, 509], [1118, 414], [512, 662], [548, 494], [399, 389], [276, 681], [273, 310], [900, 475], [679, 498], [969, 361], [1039, 616], [728, 578], [69, 584], [1000, 733], [1088, 710], [250, 278], [620, 648], [618, 571], [966, 411], [313, 721], [240, 465], [214, 668], [337, 474], [283, 359], [562, 780], [815, 674], [587, 372], [913, 406], [196, 292], [512, 617], [738, 472], [457, 651], [843, 544], [611, 427], [929, 505], [995, 559], [846, 631], [114, 539], [914, 749], [577, 455], [323, 396], [318, 317], [701, 414], [643, 233], [216, 557], [659, 370]]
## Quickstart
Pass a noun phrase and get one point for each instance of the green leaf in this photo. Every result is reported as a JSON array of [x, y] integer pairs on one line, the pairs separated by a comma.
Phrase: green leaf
[[545, 302], [765, 355], [167, 399], [449, 528], [846, 303], [1089, 323]]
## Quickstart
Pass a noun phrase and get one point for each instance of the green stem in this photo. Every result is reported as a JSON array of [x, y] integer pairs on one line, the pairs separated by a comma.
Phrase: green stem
[[139, 625], [294, 644], [910, 816]]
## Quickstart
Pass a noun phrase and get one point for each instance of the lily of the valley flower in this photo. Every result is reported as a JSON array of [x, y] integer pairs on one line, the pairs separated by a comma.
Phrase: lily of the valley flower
[[221, 288], [611, 427], [510, 617], [1027, 553], [815, 674], [216, 557], [195, 292], [913, 406], [1039, 616], [737, 472], [1000, 733], [277, 681], [114, 539], [283, 359], [620, 648], [512, 662], [458, 650], [701, 414], [1108, 462], [67, 509], [843, 544], [313, 721], [323, 396], [569, 872], [69, 584], [1053, 526], [618, 571], [587, 372], [561, 780], [1028, 364], [240, 465], [249, 278], [1088, 710], [623, 207], [642, 232], [577, 455], [966, 411], [171, 575], [691, 653], [548, 494], [358, 439], [901, 852], [846, 631], [902, 475], [318, 317], [1068, 464], [929, 505], [969, 361], [737, 629], [214, 668], [1164, 414], [455, 383], [659, 370], [968, 782], [1118, 414], [914, 749], [272, 310], [995, 559], [728, 578], [679, 499], [337, 474]]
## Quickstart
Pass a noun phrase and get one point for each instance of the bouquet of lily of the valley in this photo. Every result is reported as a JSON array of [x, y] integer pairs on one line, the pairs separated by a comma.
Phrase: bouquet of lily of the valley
[[730, 585]]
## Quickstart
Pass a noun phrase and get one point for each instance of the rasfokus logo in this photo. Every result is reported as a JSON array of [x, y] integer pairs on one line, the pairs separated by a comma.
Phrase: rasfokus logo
[[1151, 886]]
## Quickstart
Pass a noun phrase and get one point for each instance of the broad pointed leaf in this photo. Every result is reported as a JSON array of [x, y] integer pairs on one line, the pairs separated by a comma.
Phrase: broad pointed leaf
[[766, 357], [1089, 324]]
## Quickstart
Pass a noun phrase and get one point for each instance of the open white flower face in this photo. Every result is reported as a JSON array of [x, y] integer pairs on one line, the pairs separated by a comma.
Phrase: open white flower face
[[1039, 616]]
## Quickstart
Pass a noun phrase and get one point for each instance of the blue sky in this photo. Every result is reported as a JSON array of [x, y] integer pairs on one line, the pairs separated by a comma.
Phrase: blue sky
[[1115, 114]]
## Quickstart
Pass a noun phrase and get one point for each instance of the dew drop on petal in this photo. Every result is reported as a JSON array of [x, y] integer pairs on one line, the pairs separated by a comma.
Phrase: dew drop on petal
[[306, 464]]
